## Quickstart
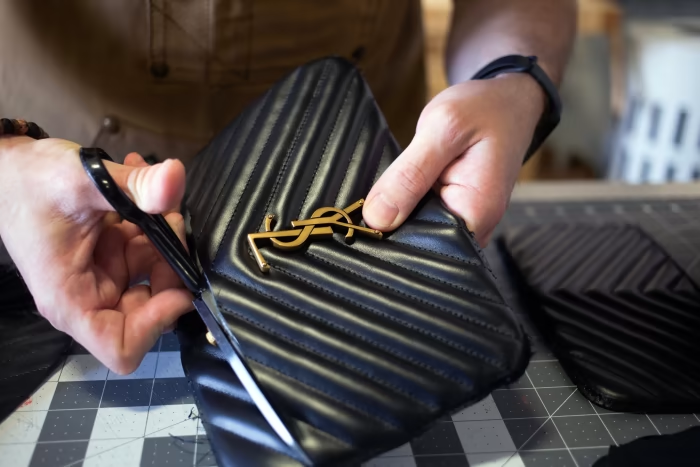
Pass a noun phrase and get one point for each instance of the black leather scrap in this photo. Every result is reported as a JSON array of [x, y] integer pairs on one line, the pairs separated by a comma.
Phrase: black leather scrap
[[676, 449], [619, 313], [360, 347]]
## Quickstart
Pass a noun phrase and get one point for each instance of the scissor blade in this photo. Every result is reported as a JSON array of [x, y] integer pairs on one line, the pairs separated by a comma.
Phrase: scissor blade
[[206, 305]]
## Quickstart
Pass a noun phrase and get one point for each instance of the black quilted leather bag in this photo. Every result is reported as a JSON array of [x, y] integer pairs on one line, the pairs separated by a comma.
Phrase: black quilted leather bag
[[619, 313], [30, 348], [359, 346]]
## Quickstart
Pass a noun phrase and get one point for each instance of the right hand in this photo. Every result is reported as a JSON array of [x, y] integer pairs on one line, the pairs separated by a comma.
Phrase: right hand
[[80, 262]]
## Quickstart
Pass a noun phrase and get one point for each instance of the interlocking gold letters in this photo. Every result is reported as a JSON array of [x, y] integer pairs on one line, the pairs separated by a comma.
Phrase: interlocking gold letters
[[307, 230]]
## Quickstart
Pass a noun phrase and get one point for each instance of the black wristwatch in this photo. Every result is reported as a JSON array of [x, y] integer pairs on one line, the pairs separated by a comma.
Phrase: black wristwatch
[[520, 64]]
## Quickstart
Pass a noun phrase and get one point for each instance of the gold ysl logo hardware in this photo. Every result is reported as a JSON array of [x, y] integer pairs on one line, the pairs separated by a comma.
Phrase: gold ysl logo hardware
[[317, 226]]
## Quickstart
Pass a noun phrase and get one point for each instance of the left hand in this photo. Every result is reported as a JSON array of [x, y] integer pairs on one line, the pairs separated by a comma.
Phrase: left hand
[[84, 266], [469, 146]]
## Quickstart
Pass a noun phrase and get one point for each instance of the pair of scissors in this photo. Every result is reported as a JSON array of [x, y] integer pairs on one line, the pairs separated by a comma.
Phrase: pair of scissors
[[157, 229]]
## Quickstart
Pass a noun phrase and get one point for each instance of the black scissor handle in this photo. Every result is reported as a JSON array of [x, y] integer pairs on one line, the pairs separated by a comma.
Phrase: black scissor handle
[[154, 226]]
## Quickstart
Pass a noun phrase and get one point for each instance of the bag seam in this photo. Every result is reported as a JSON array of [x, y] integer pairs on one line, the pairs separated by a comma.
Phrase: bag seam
[[470, 237], [467, 319], [439, 253], [312, 102], [359, 133], [385, 149], [349, 405], [350, 333], [250, 177], [437, 279], [496, 364], [325, 146], [381, 382], [25, 373], [343, 440], [234, 131]]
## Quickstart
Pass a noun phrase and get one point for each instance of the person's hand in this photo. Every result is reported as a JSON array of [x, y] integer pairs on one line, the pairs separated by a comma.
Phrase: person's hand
[[82, 265], [469, 146]]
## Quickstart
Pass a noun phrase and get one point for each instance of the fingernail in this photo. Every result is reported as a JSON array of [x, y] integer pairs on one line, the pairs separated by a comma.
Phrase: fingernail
[[381, 212]]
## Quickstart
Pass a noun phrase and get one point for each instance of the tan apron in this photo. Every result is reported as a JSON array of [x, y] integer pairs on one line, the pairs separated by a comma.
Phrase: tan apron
[[161, 77]]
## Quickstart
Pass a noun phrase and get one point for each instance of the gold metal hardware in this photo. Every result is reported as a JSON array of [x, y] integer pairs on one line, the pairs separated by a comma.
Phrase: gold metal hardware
[[307, 230], [210, 338]]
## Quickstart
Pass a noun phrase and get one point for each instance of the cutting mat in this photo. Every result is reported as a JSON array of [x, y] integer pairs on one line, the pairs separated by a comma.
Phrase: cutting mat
[[86, 416]]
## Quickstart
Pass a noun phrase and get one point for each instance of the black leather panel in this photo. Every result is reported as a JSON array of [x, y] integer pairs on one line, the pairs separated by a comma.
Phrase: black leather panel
[[359, 346], [621, 316], [30, 348]]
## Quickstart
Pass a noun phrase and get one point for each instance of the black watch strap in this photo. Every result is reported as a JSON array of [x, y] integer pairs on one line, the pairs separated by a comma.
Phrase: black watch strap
[[521, 64]]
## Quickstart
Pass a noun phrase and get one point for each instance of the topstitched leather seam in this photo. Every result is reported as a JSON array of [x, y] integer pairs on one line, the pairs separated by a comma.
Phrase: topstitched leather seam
[[25, 373], [348, 404], [325, 146], [447, 255], [467, 319], [359, 133], [385, 137], [233, 131], [459, 287], [342, 439], [349, 333], [470, 237], [352, 368], [250, 177], [448, 343], [312, 103], [435, 252]]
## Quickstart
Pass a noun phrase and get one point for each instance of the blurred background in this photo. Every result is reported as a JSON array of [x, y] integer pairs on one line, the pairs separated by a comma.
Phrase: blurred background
[[631, 93]]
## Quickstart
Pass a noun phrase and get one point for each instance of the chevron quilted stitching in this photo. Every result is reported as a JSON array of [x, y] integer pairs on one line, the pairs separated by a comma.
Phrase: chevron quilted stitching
[[450, 343], [252, 173], [312, 103], [454, 285], [210, 183], [325, 146], [606, 297], [385, 348], [360, 372], [461, 316]]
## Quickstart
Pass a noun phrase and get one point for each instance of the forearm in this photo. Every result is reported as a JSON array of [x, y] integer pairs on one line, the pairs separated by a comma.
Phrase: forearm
[[483, 30]]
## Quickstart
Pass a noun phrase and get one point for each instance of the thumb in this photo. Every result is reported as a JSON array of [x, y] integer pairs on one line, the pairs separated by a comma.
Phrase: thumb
[[155, 189], [407, 180], [477, 187]]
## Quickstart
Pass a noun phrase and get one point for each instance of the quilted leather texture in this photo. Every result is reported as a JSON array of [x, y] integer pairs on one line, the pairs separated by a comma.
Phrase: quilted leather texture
[[622, 317], [360, 346], [30, 348]]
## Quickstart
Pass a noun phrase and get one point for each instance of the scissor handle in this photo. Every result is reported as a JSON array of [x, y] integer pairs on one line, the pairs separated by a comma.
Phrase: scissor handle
[[154, 226]]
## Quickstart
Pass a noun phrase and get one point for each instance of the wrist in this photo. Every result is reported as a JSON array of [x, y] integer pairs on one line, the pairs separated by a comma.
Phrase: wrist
[[531, 96], [5, 176], [5, 157], [549, 114], [9, 146]]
